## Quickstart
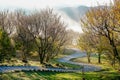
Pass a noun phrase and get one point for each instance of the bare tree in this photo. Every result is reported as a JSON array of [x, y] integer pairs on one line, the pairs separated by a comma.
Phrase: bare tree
[[47, 32], [54, 32], [6, 22], [23, 35]]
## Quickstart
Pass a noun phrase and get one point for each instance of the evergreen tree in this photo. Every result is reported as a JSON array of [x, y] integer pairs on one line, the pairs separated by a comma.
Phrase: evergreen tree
[[6, 49]]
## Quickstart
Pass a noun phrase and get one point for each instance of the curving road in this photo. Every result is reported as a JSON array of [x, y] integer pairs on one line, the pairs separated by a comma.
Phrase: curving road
[[87, 67], [4, 69], [78, 53]]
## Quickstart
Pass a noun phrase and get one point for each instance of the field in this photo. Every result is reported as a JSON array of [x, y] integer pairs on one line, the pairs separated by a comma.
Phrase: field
[[107, 72], [33, 75], [105, 64]]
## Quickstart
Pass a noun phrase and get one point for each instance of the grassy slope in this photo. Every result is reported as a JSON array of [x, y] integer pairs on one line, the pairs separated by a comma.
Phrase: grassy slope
[[106, 74], [40, 76], [34, 59], [94, 60], [62, 64], [32, 75], [18, 62]]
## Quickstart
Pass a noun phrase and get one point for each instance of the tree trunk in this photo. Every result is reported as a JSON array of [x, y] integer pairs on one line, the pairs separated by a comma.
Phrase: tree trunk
[[88, 56], [116, 54], [24, 58], [112, 43], [39, 51], [41, 55], [99, 58], [89, 60], [48, 56], [41, 59]]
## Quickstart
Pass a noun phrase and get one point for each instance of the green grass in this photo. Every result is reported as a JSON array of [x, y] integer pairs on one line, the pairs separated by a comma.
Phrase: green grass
[[65, 65], [32, 75], [105, 74], [94, 60], [34, 59], [40, 76]]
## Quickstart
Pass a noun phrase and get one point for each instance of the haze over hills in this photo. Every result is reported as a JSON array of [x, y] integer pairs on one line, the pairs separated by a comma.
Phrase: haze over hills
[[75, 13], [72, 16]]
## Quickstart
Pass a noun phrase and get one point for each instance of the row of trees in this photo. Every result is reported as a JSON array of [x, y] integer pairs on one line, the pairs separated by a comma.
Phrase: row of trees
[[101, 27], [41, 31]]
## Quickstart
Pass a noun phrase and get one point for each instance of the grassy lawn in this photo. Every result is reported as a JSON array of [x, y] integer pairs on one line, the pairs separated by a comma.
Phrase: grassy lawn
[[18, 62], [64, 65], [94, 60], [108, 73], [34, 60], [40, 76], [32, 75]]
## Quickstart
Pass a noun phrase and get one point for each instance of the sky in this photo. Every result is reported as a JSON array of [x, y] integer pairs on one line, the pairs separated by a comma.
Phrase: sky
[[37, 4]]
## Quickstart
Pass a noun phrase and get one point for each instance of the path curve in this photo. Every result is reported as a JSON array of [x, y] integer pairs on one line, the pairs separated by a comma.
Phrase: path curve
[[87, 67], [78, 54], [4, 69]]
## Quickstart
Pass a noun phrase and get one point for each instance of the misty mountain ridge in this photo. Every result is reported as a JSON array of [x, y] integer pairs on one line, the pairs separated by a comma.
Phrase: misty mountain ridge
[[76, 13]]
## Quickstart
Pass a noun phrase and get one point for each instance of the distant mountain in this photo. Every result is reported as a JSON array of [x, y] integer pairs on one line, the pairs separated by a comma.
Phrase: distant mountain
[[72, 16], [75, 13]]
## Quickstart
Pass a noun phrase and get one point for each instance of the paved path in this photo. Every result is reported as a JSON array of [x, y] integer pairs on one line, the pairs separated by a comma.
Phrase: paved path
[[4, 69], [78, 53], [87, 67]]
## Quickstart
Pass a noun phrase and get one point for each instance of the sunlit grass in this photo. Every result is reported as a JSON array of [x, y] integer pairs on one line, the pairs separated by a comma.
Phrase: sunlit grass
[[107, 74], [18, 62], [64, 64], [94, 61], [34, 60], [33, 75], [41, 76]]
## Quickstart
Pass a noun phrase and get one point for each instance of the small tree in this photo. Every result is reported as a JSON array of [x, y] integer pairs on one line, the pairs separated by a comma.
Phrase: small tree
[[85, 43], [23, 37], [104, 21], [6, 51]]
